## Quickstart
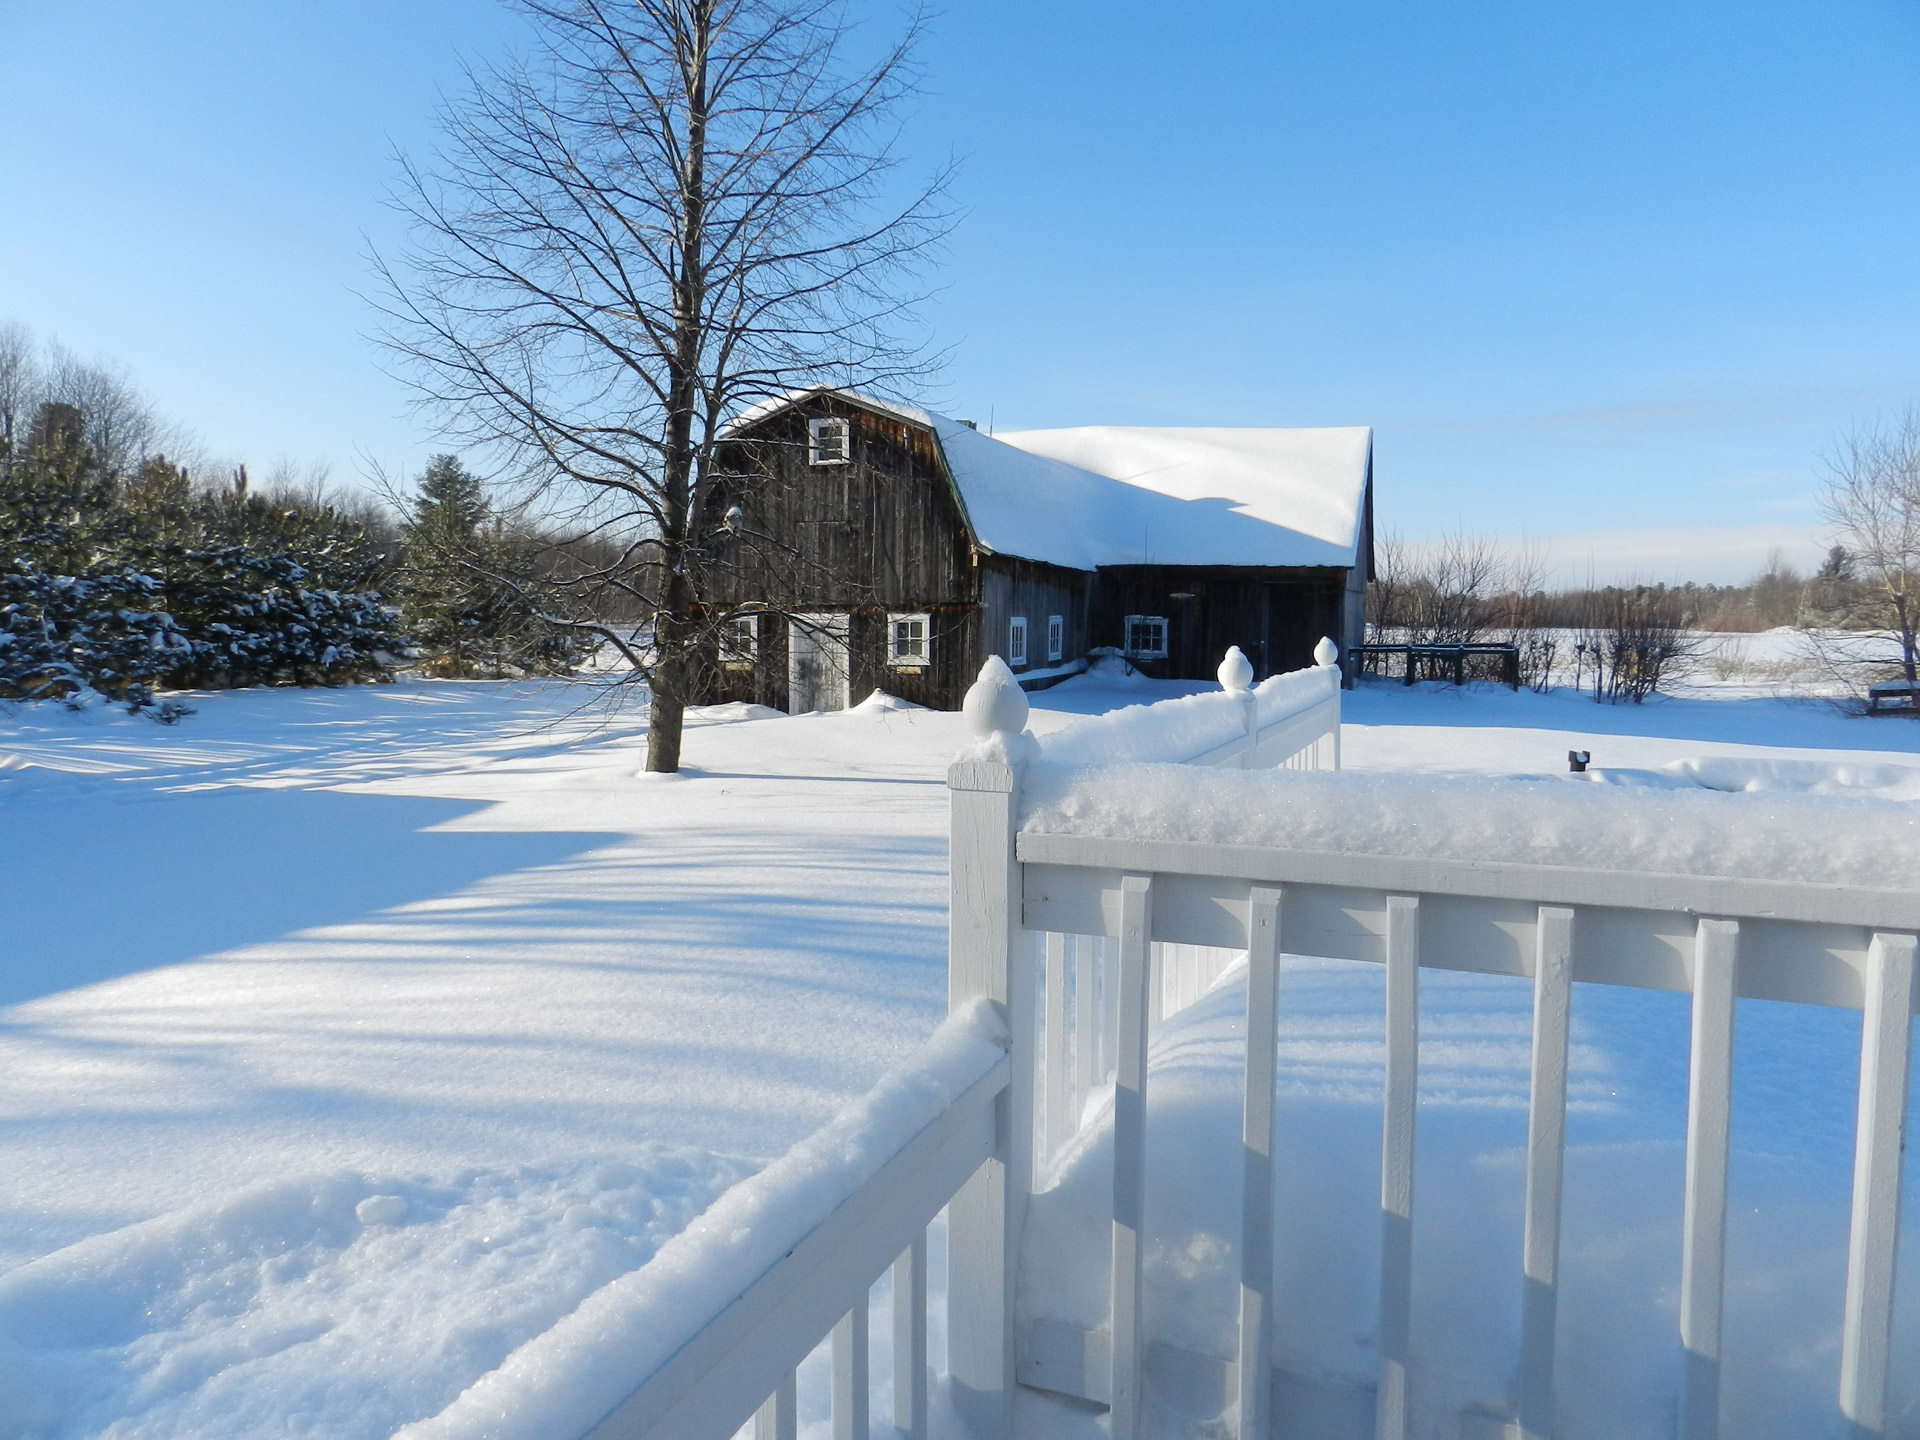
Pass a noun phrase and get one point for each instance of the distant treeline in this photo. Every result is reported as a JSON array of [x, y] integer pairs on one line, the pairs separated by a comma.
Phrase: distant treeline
[[1626, 641]]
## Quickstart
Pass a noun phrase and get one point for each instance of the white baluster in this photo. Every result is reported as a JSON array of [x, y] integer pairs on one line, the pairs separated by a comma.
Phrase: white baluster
[[1886, 1036], [1129, 1154], [1256, 1157], [1546, 1162], [1704, 1221], [1396, 1164]]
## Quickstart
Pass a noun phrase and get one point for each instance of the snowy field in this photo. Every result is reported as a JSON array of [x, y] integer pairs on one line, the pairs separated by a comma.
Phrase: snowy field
[[352, 1038]]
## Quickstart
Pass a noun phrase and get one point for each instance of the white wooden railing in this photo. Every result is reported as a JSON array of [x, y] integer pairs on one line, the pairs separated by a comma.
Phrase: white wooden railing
[[1033, 904], [1054, 935]]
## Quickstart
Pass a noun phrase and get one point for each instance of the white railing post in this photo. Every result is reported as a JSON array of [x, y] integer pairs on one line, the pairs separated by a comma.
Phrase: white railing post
[[984, 954], [1886, 1033], [1256, 1159], [1546, 1166], [1236, 678], [1704, 1219], [1396, 1164], [1326, 655]]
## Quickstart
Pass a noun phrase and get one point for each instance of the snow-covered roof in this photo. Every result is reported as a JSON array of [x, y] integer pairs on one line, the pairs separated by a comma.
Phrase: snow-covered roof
[[1112, 495], [1240, 497]]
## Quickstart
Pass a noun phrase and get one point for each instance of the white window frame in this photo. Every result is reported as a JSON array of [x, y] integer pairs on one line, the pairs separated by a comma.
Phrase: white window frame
[[744, 651], [906, 660], [829, 441], [1017, 641], [1126, 634], [1056, 637]]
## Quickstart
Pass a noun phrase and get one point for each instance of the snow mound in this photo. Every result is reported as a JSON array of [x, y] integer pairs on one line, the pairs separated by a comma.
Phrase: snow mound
[[879, 702], [329, 1305], [1807, 777], [732, 713], [1772, 835]]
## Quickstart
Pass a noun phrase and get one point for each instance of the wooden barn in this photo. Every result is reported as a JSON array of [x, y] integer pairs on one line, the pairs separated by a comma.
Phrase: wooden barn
[[880, 547]]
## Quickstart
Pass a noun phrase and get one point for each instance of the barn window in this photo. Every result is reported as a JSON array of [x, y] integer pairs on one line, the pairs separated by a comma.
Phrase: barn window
[[740, 642], [1147, 636], [906, 641], [1056, 636], [828, 442], [1017, 640]]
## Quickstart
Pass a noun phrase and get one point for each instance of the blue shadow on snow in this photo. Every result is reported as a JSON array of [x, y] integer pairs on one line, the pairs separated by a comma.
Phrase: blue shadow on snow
[[93, 892]]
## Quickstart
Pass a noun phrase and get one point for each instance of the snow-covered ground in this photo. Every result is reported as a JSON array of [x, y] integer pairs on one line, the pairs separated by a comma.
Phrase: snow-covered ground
[[353, 1038]]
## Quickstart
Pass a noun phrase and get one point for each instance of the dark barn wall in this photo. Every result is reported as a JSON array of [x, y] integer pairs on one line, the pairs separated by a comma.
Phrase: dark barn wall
[[1011, 587], [880, 535], [1275, 615]]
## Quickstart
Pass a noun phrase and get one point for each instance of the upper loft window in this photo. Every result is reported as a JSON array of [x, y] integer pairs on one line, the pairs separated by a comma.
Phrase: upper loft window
[[1017, 640], [829, 442], [1056, 636], [1147, 636], [906, 641]]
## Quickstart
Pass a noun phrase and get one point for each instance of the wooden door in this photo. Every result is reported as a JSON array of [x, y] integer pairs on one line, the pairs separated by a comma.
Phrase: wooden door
[[818, 672]]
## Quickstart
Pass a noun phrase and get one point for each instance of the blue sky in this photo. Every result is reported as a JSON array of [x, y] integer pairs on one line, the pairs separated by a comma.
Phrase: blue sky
[[1609, 275]]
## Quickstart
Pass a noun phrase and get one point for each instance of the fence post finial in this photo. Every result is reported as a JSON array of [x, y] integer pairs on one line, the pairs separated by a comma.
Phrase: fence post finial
[[1236, 671], [995, 703], [1326, 653]]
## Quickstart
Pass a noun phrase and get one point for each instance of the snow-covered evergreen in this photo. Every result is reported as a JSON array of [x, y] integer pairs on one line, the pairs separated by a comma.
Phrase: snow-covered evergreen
[[115, 587]]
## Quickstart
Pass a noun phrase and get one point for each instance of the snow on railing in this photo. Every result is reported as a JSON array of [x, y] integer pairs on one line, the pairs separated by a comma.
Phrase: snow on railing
[[1292, 720], [1082, 880]]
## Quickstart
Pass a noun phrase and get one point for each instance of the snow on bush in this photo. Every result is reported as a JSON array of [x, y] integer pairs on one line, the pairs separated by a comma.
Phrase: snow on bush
[[1178, 730], [568, 1379], [1769, 835]]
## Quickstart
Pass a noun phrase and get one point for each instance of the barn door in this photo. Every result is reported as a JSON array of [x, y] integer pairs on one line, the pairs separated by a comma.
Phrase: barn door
[[818, 672]]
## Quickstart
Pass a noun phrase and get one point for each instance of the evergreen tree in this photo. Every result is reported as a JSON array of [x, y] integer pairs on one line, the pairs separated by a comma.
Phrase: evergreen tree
[[267, 594], [470, 587], [76, 613]]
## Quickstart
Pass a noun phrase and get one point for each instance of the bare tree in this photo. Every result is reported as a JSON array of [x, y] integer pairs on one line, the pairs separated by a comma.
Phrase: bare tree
[[20, 386], [1871, 497], [672, 210], [1635, 637], [121, 425]]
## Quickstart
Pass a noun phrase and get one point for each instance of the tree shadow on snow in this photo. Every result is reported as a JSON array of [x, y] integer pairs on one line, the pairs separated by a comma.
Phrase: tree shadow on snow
[[96, 892]]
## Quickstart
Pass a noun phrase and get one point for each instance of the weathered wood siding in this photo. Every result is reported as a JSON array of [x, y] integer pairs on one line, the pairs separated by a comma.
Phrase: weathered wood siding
[[1011, 587], [1275, 615]]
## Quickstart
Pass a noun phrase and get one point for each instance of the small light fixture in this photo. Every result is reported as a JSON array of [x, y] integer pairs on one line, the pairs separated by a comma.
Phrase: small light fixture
[[1181, 595]]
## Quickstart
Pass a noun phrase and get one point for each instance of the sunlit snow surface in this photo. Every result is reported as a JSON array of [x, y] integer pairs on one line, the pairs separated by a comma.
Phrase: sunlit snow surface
[[309, 955]]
